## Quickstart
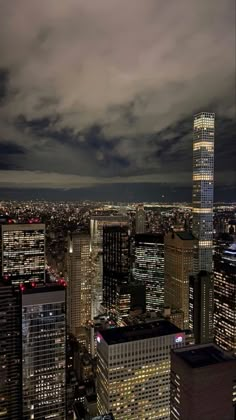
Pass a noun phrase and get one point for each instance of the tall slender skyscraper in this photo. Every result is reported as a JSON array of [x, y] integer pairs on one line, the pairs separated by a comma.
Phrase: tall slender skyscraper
[[79, 282], [201, 297], [203, 184]]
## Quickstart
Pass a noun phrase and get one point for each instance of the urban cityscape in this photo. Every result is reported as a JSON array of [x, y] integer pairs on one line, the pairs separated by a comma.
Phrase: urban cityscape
[[114, 308]]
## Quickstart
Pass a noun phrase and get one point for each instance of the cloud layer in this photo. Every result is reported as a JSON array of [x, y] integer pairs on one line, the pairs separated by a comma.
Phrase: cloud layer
[[104, 92]]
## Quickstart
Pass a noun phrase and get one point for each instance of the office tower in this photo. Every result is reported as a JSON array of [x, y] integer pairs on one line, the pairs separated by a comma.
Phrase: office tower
[[10, 354], [116, 262], [149, 268], [43, 352], [32, 352], [23, 252], [203, 384], [225, 299], [130, 297], [140, 219], [201, 306], [133, 373], [96, 232], [79, 282], [203, 185], [179, 251]]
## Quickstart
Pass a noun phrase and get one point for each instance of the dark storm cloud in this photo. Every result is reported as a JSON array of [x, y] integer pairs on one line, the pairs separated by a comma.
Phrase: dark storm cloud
[[4, 77], [104, 92]]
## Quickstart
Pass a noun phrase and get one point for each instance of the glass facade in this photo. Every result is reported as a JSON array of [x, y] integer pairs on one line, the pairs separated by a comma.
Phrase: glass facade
[[203, 186], [96, 231], [201, 307], [116, 262], [10, 354], [23, 252], [43, 354], [225, 304], [149, 268]]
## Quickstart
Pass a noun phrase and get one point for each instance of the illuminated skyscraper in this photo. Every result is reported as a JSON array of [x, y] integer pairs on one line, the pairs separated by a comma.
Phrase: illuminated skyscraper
[[179, 250], [79, 282], [225, 299], [149, 268], [133, 373], [140, 220], [116, 262], [10, 354], [97, 224], [43, 352], [32, 352], [203, 185], [23, 252]]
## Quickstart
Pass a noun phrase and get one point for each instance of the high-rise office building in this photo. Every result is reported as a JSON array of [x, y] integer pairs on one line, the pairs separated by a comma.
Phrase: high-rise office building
[[149, 268], [10, 353], [225, 299], [43, 352], [23, 252], [140, 219], [201, 306], [96, 232], [203, 186], [32, 352], [116, 262], [133, 374], [179, 252], [203, 384], [79, 282]]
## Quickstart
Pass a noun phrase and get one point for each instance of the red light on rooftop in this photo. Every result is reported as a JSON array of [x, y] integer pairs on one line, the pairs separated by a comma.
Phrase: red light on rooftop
[[22, 287]]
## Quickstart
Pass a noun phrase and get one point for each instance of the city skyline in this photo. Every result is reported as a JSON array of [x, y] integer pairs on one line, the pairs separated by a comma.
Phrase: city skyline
[[98, 102]]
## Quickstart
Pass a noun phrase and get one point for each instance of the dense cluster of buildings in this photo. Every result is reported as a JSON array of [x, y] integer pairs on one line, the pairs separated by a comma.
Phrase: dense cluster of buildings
[[136, 322]]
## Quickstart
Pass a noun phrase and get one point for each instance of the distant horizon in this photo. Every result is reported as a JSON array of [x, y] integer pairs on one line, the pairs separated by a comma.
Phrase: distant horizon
[[110, 202]]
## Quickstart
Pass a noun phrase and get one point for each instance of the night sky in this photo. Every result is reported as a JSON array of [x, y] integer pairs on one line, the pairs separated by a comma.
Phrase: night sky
[[97, 97]]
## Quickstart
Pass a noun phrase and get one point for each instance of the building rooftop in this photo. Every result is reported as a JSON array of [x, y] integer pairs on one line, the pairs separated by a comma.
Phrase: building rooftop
[[139, 332], [185, 236], [203, 355], [149, 238]]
